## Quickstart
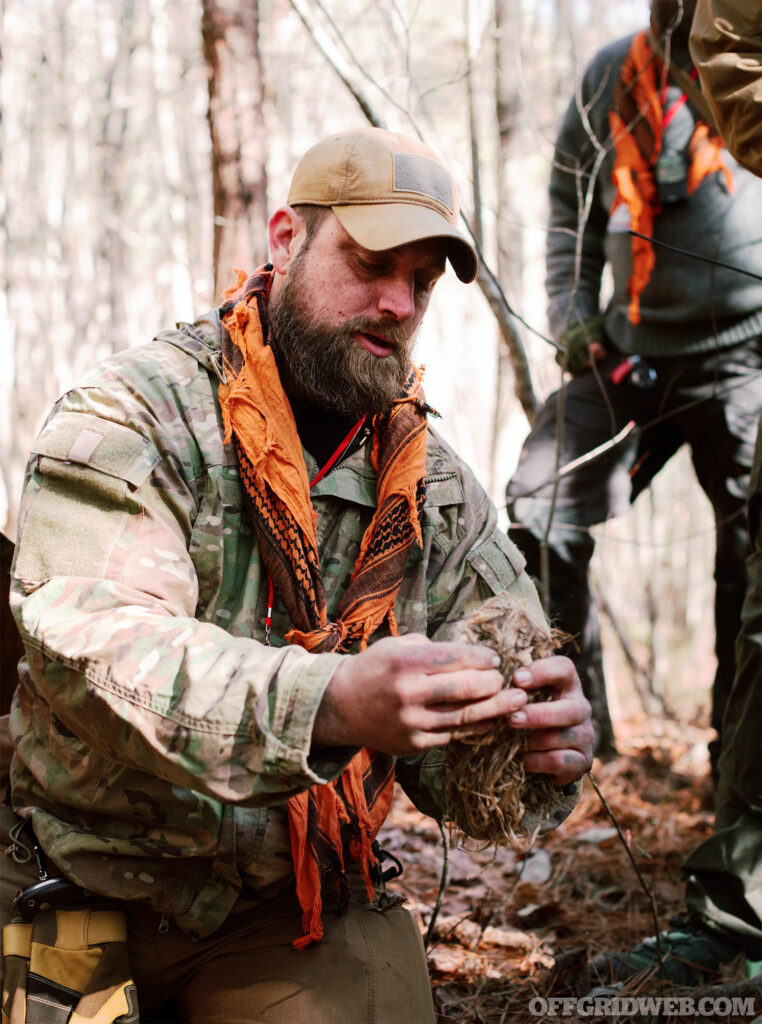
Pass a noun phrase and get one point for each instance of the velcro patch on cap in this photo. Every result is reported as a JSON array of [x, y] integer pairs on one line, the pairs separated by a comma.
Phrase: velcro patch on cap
[[416, 173]]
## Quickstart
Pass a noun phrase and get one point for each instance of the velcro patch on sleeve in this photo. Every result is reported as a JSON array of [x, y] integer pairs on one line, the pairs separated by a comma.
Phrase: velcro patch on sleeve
[[110, 448]]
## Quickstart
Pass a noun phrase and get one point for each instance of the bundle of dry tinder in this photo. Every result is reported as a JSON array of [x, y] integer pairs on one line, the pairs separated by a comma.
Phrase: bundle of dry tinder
[[487, 790]]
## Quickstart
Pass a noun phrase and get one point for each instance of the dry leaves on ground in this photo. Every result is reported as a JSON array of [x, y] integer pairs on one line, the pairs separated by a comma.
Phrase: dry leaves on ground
[[506, 917]]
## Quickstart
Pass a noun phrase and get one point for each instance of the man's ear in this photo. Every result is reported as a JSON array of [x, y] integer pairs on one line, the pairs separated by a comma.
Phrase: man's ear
[[287, 232]]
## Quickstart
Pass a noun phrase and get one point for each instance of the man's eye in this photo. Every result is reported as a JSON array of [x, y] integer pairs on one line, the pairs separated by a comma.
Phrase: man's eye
[[369, 266]]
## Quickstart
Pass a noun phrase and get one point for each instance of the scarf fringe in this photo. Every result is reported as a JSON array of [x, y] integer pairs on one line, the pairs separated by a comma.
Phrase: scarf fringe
[[329, 810]]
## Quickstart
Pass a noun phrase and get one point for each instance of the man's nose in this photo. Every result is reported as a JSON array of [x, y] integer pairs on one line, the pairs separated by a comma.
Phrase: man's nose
[[397, 297]]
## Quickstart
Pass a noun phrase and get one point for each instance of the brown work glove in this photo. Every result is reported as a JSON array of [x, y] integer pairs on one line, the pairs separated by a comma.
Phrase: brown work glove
[[581, 344]]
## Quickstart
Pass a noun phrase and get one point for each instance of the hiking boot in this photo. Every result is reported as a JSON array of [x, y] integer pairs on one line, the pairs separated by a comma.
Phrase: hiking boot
[[691, 956]]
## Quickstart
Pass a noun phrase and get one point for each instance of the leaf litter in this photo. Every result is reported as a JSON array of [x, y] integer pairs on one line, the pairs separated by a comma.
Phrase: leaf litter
[[507, 915]]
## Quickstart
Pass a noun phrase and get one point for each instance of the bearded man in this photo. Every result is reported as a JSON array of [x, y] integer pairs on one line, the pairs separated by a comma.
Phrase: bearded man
[[241, 555]]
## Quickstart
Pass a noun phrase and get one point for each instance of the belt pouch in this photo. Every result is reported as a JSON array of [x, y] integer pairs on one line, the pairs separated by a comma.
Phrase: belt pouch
[[68, 967]]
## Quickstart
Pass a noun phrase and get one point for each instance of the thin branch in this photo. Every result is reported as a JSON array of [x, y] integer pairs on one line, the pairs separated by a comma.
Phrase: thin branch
[[442, 884], [584, 205], [641, 428], [696, 255], [333, 59], [634, 863], [499, 907], [640, 676], [360, 67], [493, 293], [445, 83]]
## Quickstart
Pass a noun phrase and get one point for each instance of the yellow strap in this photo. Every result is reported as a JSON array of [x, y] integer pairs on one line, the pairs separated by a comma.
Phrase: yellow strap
[[106, 926], [17, 940], [70, 967], [117, 1005], [78, 929]]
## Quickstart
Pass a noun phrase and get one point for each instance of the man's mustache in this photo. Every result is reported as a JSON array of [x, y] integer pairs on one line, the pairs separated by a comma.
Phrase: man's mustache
[[383, 327]]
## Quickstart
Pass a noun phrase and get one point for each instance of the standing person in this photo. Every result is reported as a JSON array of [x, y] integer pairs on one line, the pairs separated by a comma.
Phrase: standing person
[[723, 892], [241, 554], [676, 350]]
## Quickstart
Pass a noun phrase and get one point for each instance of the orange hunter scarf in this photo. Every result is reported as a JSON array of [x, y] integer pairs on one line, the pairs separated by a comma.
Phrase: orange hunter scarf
[[636, 127], [257, 416]]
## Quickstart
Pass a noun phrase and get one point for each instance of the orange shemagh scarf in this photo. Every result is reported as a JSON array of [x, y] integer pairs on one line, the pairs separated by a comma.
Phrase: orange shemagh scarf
[[257, 416], [635, 121]]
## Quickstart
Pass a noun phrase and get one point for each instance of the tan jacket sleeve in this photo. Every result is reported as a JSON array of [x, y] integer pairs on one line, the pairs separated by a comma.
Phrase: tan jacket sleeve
[[726, 44]]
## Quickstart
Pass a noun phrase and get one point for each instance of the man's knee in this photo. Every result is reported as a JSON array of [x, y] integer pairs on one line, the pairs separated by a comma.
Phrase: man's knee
[[370, 965]]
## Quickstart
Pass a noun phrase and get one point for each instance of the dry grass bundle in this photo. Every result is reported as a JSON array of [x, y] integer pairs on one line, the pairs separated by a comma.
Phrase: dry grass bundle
[[488, 792]]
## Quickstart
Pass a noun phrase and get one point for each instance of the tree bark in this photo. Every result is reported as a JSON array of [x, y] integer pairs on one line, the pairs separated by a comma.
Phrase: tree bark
[[512, 356], [236, 118]]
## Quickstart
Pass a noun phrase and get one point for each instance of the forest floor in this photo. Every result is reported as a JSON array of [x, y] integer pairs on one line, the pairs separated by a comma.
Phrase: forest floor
[[505, 917]]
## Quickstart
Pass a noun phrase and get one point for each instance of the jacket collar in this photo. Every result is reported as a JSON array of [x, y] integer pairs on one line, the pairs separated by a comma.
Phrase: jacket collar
[[355, 479]]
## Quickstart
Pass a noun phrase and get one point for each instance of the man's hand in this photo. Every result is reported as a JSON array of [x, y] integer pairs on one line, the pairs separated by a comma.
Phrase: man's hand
[[582, 344], [560, 741], [404, 695]]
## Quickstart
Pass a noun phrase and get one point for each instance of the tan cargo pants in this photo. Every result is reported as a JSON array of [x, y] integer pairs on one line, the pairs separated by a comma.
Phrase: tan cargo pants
[[370, 967]]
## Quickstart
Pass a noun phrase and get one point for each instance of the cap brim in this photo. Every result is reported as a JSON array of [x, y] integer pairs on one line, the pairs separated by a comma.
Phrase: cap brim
[[378, 226]]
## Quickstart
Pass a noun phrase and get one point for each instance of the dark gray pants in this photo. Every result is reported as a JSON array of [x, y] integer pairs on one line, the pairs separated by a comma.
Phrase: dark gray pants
[[711, 402], [724, 873]]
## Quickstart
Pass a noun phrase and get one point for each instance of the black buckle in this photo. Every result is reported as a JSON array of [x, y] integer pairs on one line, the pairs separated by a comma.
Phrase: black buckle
[[377, 872], [46, 895]]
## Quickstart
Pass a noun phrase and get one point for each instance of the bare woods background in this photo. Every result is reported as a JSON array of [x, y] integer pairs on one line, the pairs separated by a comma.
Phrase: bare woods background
[[143, 142]]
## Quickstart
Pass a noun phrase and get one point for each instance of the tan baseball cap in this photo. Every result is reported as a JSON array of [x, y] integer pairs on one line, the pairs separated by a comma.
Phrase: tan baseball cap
[[386, 190]]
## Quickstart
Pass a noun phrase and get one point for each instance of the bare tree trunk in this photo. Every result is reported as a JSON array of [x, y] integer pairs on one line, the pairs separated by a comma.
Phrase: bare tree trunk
[[507, 110], [477, 224], [5, 320], [230, 32], [113, 132], [565, 48], [507, 27]]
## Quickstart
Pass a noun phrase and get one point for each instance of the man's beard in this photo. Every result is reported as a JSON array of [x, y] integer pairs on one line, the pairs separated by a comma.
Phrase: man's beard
[[327, 365]]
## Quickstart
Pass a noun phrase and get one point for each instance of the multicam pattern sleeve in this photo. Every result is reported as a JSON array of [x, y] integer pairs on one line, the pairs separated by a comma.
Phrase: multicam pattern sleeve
[[131, 646]]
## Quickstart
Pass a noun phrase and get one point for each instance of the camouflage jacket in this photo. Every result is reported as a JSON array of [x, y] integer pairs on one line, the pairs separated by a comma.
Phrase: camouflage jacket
[[157, 737]]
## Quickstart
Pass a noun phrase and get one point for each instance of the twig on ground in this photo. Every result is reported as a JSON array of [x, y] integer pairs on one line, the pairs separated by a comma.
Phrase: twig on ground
[[634, 863], [498, 909], [442, 884]]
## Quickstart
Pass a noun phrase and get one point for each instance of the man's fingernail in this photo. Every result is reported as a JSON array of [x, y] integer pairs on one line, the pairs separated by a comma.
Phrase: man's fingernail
[[517, 718], [496, 661], [522, 677]]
